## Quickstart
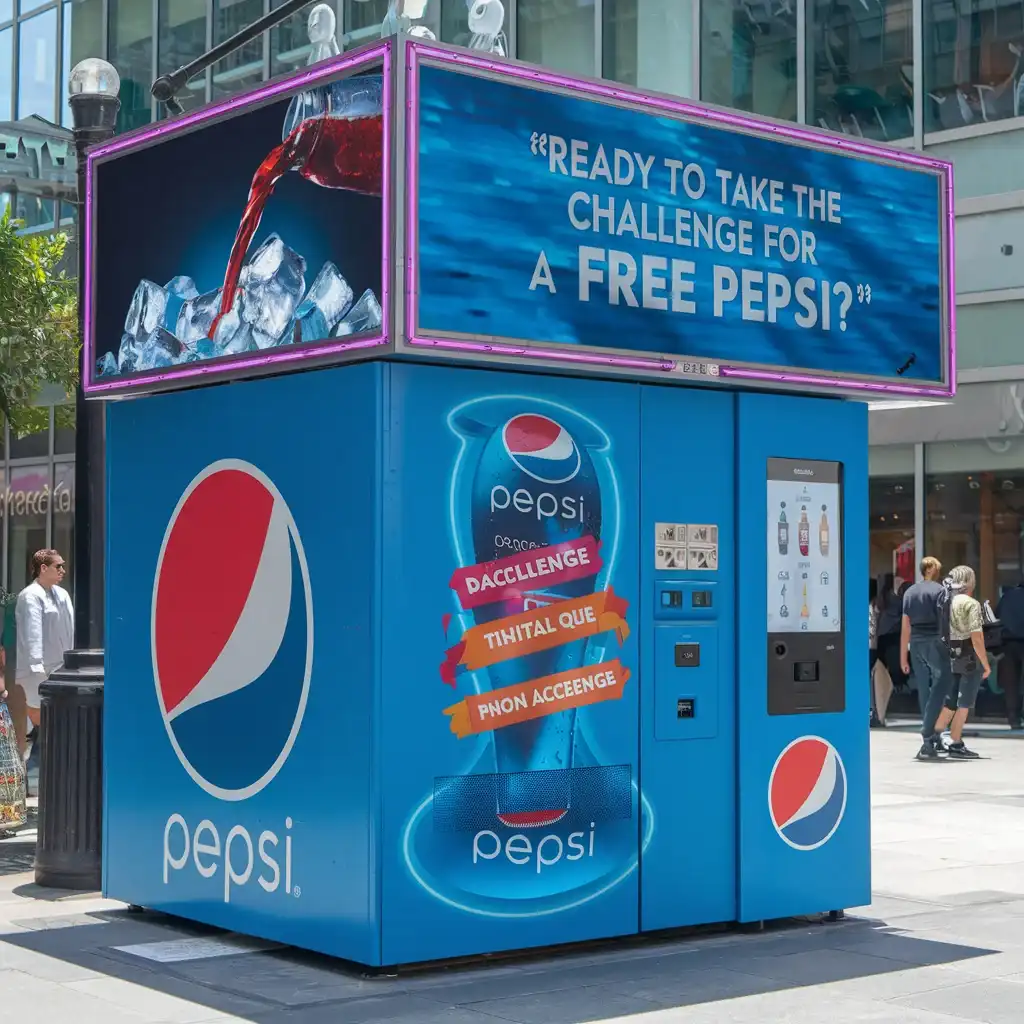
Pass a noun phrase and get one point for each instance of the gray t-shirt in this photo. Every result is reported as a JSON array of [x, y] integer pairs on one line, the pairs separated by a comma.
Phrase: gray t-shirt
[[920, 606]]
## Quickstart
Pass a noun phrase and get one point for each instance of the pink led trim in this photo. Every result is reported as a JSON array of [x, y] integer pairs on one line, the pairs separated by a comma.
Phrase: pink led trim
[[416, 51], [286, 354]]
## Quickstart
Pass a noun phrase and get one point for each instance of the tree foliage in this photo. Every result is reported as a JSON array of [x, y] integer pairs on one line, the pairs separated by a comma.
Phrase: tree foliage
[[39, 339]]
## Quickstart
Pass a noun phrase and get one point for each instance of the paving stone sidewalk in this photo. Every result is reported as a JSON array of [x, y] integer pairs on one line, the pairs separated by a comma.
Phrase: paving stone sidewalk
[[943, 942]]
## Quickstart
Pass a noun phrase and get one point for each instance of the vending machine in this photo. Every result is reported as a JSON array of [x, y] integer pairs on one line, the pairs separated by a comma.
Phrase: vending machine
[[487, 504]]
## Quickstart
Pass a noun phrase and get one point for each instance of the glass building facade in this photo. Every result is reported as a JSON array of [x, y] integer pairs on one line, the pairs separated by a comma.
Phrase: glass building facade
[[890, 70], [37, 500]]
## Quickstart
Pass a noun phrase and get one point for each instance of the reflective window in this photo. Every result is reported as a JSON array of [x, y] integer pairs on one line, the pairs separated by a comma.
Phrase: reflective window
[[861, 67], [244, 68], [6, 10], [131, 52], [37, 65], [558, 34], [64, 430], [455, 22], [6, 63], [362, 22], [181, 37], [28, 503], [891, 531], [34, 213], [29, 5], [289, 42], [65, 64], [63, 505], [748, 55], [31, 445], [973, 62], [86, 29], [649, 44]]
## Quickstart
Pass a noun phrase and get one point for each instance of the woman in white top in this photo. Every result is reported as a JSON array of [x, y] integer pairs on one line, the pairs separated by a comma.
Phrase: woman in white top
[[46, 626]]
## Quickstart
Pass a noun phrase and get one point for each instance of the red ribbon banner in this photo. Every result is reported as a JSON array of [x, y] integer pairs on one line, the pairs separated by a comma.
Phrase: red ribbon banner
[[538, 569]]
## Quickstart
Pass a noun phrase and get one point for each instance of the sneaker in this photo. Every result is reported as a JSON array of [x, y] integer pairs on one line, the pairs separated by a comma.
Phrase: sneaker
[[945, 740], [928, 752], [960, 752]]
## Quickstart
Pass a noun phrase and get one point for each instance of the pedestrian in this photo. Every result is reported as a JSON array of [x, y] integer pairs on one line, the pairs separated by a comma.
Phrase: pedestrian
[[45, 625], [13, 791], [890, 611], [1010, 612], [877, 722], [969, 661], [920, 642]]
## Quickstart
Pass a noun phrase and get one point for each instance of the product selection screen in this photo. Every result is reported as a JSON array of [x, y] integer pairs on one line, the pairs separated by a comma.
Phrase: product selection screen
[[804, 546]]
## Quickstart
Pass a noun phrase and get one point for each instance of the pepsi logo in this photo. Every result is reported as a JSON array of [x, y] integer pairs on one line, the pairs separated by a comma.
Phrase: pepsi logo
[[541, 448], [232, 630], [807, 793]]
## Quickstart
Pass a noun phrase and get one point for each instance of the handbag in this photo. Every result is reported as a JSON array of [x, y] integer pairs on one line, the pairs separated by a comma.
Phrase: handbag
[[962, 658], [13, 790], [992, 628]]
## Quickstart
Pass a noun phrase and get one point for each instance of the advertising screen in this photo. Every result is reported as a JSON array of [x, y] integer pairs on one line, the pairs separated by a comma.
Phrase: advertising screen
[[804, 547], [243, 236], [585, 222]]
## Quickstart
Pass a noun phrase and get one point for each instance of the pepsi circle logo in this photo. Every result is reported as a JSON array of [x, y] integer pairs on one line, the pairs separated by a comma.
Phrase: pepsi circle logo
[[541, 448], [232, 630], [807, 793]]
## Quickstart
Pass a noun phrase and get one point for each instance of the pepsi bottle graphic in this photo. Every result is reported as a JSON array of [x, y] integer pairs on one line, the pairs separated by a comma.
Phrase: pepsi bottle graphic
[[803, 532], [783, 534], [532, 483], [823, 532]]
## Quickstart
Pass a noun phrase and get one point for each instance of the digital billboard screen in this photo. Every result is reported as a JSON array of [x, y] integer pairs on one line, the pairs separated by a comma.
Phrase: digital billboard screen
[[244, 237], [586, 222]]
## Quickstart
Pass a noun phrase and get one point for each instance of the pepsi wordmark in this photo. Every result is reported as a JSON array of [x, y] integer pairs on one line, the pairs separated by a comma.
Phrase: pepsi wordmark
[[253, 651], [717, 224]]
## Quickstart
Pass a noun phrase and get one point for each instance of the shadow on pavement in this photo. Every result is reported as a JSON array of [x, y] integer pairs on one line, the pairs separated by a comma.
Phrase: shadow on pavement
[[17, 853], [573, 986]]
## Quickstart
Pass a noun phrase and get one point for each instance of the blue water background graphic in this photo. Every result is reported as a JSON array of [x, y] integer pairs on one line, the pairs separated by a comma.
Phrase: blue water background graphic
[[488, 206]]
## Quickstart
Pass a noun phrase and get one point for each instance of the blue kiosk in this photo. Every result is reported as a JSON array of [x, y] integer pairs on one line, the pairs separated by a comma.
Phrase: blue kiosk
[[487, 502]]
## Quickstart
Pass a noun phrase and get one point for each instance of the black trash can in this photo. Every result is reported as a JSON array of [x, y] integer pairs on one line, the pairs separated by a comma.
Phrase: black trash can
[[69, 844]]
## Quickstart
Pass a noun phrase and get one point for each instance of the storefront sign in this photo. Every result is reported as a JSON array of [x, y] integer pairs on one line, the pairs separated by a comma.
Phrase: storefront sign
[[38, 501], [568, 219]]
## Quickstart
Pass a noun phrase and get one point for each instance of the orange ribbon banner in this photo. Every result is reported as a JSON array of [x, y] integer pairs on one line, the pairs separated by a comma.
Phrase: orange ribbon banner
[[574, 688], [537, 630]]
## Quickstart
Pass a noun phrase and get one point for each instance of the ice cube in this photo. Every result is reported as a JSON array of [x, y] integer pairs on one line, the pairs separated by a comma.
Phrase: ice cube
[[161, 348], [197, 316], [146, 313], [107, 366], [233, 335], [331, 294], [364, 316], [310, 324], [273, 282], [179, 290], [127, 354]]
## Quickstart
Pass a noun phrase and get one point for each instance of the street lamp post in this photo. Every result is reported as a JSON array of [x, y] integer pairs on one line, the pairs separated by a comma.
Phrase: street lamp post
[[68, 848]]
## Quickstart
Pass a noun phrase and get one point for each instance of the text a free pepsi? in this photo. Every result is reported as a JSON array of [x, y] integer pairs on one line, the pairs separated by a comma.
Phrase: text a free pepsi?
[[662, 283]]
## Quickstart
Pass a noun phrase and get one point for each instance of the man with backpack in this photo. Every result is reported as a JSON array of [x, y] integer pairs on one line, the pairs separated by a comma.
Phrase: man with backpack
[[969, 660], [922, 644]]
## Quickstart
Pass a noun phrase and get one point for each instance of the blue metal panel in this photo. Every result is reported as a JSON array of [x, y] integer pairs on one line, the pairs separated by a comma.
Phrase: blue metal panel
[[231, 804], [689, 772], [524, 833], [779, 877]]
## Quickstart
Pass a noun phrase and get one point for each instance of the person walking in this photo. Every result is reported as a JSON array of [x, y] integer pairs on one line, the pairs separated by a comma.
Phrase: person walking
[[889, 605], [920, 643], [969, 661], [877, 719], [1010, 612], [46, 630]]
